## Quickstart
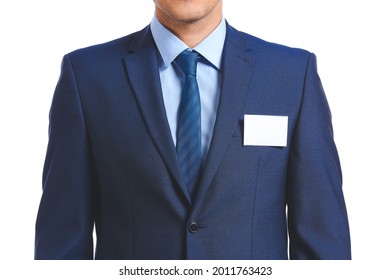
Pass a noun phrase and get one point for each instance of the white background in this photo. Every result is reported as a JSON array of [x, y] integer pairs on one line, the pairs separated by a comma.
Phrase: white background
[[349, 37]]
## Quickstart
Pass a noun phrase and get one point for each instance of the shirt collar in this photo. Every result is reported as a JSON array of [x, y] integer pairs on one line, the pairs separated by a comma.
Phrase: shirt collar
[[171, 46]]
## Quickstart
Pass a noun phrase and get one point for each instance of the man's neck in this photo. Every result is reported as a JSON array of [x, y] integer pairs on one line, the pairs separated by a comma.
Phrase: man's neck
[[194, 32]]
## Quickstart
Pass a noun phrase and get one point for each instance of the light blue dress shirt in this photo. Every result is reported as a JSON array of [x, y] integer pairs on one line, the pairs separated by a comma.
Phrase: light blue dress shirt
[[208, 76]]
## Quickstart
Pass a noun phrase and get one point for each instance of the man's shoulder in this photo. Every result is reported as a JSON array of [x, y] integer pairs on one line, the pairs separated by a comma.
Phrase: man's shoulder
[[258, 45], [116, 47]]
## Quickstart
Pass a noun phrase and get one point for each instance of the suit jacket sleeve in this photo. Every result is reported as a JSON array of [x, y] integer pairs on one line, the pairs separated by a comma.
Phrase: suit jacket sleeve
[[65, 219], [317, 217]]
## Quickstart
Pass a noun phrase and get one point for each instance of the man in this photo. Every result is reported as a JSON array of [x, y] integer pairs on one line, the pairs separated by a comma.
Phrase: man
[[251, 119]]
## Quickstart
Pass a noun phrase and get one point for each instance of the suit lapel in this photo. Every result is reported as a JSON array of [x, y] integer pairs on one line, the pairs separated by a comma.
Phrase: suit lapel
[[142, 70], [236, 70]]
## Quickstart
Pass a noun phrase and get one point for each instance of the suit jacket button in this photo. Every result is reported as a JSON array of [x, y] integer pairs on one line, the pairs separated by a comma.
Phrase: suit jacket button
[[193, 227]]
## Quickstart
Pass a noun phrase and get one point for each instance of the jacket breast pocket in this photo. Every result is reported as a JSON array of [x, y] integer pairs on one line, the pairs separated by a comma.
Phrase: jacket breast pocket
[[239, 130], [239, 135]]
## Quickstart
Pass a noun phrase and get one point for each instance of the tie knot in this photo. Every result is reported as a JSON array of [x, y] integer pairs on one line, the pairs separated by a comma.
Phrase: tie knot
[[187, 61]]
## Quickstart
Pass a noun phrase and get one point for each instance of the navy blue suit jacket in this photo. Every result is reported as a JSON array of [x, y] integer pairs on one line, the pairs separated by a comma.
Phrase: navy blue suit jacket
[[111, 162]]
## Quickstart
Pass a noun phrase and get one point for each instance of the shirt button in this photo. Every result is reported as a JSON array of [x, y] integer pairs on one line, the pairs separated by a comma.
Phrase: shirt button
[[193, 227]]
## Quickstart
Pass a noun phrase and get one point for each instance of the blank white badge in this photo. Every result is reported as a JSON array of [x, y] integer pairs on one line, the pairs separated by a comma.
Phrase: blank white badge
[[264, 130]]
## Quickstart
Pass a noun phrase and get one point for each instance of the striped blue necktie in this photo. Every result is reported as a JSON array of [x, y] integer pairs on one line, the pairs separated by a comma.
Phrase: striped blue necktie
[[188, 143]]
